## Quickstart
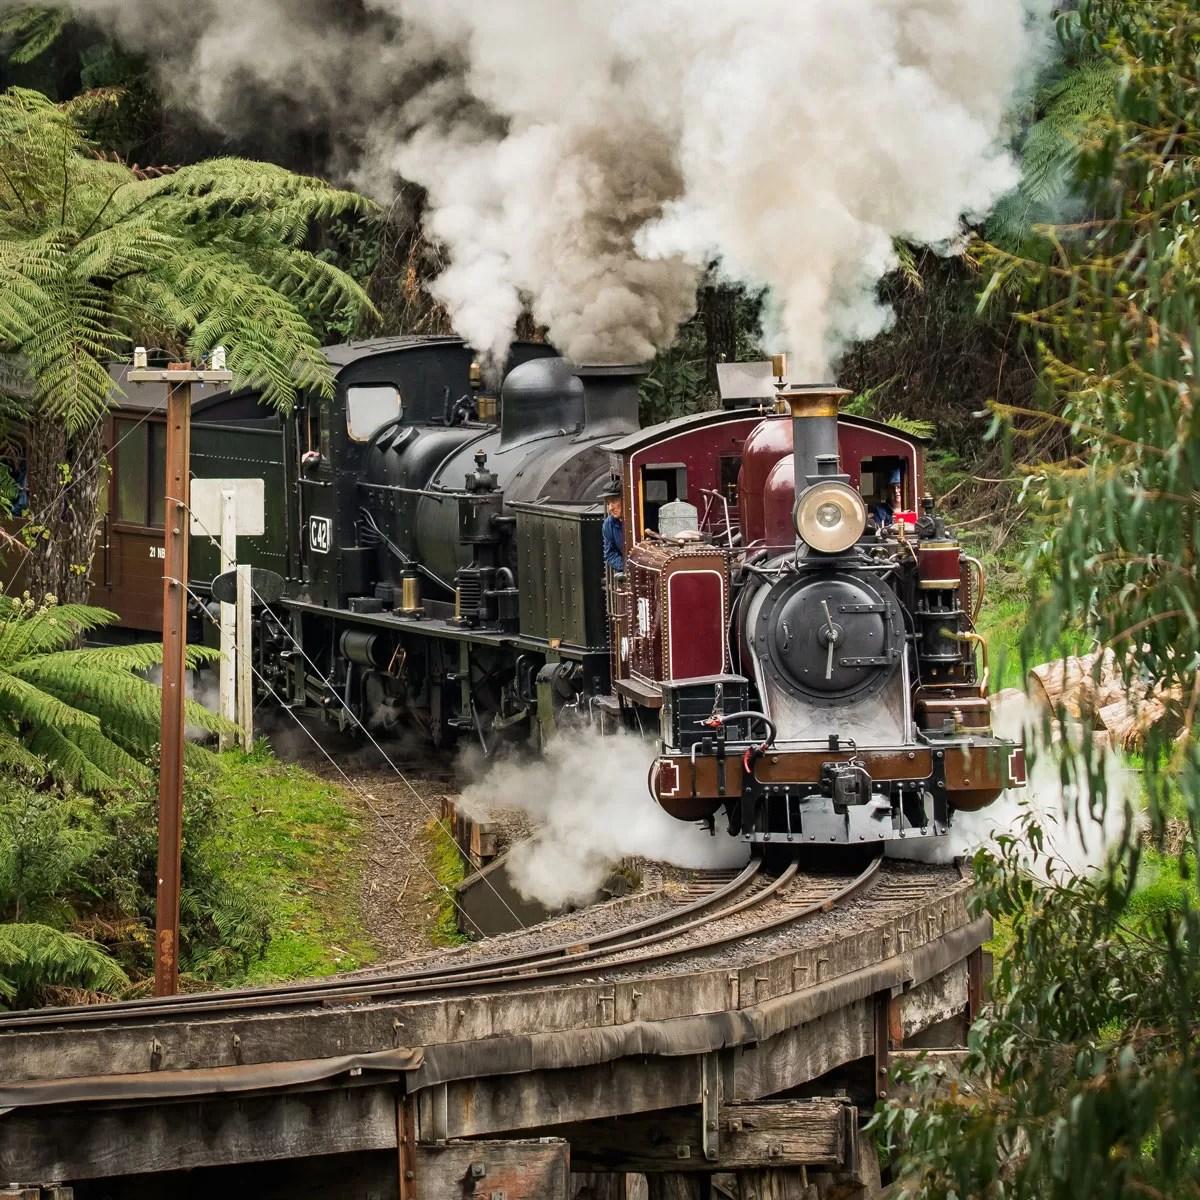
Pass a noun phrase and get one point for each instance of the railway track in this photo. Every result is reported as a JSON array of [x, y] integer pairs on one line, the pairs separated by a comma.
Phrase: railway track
[[725, 911]]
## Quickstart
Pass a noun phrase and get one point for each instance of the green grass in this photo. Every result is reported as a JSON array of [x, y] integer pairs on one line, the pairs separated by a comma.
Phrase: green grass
[[447, 864], [1001, 622], [291, 839], [1165, 883]]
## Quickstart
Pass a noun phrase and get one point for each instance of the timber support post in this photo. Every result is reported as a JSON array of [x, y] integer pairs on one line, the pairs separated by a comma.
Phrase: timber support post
[[228, 690], [406, 1147], [245, 652]]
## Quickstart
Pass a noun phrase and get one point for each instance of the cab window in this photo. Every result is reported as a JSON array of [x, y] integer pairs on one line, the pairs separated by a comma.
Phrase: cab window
[[368, 406], [661, 483]]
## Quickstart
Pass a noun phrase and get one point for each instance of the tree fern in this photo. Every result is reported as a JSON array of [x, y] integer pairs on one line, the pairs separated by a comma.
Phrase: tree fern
[[96, 255], [82, 716], [1069, 109], [34, 957], [31, 30], [49, 842]]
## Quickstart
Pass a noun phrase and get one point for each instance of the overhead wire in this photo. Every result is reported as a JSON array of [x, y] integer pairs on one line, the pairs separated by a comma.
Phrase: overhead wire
[[365, 795]]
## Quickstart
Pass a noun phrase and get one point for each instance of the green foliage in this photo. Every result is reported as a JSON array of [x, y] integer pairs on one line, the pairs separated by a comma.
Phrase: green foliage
[[263, 844], [94, 254], [354, 245], [675, 384], [36, 957], [1082, 1077], [682, 377], [31, 30], [47, 842], [449, 869], [1085, 1073], [81, 715], [868, 404], [1069, 108]]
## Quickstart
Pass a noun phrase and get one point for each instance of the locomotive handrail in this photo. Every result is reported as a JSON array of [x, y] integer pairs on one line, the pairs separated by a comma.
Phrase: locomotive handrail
[[395, 487], [974, 562], [981, 642], [753, 716]]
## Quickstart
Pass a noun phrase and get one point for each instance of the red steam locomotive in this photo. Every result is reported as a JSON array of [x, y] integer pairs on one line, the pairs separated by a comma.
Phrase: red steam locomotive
[[805, 628]]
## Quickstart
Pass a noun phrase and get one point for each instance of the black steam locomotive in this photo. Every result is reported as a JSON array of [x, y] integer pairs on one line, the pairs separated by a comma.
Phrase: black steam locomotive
[[809, 674]]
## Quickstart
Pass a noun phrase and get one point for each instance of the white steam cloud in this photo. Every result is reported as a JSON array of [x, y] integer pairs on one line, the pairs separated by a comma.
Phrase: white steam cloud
[[1076, 842], [590, 805], [591, 159]]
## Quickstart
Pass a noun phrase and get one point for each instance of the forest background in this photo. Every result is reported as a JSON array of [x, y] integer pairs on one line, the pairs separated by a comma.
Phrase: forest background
[[1052, 364]]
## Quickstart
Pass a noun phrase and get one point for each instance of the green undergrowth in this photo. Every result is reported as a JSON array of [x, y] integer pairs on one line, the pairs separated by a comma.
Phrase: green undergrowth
[[450, 869], [290, 838], [1011, 591], [269, 883], [1165, 884]]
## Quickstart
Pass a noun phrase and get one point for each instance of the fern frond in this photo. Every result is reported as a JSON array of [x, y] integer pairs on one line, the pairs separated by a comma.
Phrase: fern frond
[[72, 763], [913, 426], [17, 759], [32, 30], [1070, 109], [93, 253], [86, 716], [907, 265], [33, 957]]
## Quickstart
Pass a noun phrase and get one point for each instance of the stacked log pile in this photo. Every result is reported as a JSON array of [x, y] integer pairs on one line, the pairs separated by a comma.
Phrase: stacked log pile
[[1090, 689]]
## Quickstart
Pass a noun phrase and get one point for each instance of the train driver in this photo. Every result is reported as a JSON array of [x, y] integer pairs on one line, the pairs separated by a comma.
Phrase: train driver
[[614, 526]]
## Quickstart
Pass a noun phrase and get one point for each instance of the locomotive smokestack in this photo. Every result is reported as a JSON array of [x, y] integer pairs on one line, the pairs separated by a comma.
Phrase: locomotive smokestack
[[610, 397], [814, 412], [829, 515]]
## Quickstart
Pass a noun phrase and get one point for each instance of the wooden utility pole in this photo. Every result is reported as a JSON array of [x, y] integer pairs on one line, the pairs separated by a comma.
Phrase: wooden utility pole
[[179, 379]]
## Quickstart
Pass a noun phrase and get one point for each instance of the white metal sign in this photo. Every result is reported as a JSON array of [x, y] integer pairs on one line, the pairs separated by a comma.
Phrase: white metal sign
[[320, 534], [249, 502]]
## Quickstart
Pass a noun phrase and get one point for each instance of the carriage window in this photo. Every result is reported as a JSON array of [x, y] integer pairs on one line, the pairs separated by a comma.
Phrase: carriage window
[[158, 471], [131, 472], [141, 467], [368, 406]]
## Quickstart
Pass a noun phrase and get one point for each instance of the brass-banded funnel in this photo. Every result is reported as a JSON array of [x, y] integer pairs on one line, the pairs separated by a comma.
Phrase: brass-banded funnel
[[814, 413]]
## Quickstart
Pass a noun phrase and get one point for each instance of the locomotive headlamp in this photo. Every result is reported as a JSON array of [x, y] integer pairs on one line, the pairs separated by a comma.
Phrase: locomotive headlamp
[[830, 517]]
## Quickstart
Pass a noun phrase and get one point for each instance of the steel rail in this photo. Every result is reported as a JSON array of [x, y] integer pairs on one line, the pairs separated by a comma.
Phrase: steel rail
[[332, 992], [524, 961]]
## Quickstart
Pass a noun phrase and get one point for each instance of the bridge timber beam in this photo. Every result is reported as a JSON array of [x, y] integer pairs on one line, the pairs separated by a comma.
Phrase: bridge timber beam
[[294, 1093]]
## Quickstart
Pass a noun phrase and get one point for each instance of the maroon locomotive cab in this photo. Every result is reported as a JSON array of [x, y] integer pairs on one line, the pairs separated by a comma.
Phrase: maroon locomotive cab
[[678, 611]]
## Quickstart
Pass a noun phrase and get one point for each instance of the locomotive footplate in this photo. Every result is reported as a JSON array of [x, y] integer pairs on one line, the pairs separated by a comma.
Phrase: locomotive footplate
[[827, 797], [836, 797]]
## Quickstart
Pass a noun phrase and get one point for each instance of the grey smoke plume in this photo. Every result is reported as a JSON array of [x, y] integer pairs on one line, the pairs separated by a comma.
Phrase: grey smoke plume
[[592, 158]]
